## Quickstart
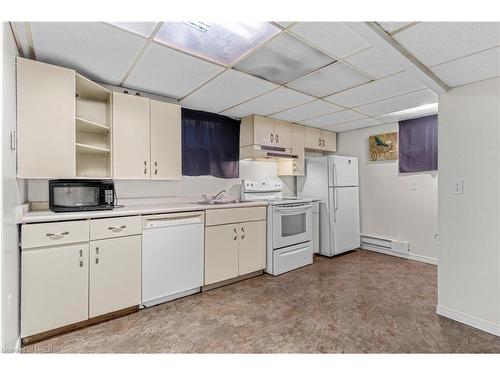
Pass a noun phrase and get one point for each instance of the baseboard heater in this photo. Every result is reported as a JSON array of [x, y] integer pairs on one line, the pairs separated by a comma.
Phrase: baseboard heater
[[385, 244]]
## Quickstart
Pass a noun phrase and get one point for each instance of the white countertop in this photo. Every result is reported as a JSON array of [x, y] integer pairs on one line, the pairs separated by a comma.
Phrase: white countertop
[[38, 216]]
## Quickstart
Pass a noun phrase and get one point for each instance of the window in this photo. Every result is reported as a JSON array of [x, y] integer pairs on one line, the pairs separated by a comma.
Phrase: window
[[418, 144], [210, 144]]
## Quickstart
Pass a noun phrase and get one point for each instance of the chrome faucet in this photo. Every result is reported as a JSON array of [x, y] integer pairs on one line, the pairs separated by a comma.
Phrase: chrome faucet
[[216, 196]]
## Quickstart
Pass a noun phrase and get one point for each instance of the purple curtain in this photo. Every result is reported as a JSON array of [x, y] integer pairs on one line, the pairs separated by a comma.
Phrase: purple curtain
[[418, 144], [210, 144]]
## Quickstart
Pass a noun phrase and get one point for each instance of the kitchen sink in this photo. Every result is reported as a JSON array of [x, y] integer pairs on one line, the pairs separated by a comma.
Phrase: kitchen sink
[[218, 201]]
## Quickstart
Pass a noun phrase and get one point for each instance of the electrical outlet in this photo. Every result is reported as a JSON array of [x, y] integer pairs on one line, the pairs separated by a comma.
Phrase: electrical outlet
[[458, 187]]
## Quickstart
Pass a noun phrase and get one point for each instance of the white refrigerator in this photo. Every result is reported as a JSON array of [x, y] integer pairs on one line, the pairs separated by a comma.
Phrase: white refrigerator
[[334, 180]]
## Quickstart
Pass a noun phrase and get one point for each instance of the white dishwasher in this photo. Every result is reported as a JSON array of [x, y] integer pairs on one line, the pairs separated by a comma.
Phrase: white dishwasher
[[172, 256]]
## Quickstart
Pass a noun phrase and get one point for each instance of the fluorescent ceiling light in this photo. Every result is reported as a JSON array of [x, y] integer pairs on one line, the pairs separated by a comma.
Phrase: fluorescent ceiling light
[[423, 110], [223, 43]]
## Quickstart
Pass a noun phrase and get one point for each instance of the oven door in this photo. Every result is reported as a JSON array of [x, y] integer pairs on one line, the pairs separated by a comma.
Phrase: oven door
[[292, 224]]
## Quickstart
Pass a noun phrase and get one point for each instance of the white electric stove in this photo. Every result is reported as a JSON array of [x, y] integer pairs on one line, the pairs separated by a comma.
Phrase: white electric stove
[[289, 225]]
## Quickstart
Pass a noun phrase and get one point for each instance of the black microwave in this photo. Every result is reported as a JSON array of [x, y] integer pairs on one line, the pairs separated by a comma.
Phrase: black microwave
[[81, 195]]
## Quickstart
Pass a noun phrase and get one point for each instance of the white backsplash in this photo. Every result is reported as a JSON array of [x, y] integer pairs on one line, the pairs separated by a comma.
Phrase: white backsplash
[[187, 187]]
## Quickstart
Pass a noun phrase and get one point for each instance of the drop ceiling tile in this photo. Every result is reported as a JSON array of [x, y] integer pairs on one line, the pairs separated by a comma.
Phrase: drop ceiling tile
[[392, 26], [283, 59], [397, 84], [433, 43], [473, 68], [141, 28], [399, 103], [269, 103], [98, 51], [283, 24], [356, 124], [374, 63], [167, 72], [228, 89], [334, 118], [333, 78], [306, 111], [333, 37]]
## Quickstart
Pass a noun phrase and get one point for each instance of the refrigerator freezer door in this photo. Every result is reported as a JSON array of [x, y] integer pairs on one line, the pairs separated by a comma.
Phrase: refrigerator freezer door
[[345, 218], [345, 171]]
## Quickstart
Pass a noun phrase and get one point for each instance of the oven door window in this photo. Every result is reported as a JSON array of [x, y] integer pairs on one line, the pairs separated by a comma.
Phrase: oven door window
[[76, 196], [292, 225]]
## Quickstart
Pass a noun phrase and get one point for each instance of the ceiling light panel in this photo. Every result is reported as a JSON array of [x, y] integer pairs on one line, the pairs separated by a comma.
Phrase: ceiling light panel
[[374, 63], [356, 124], [228, 89], [142, 28], [392, 26], [221, 42], [473, 68], [269, 103], [284, 59], [334, 118], [333, 37], [167, 72], [99, 51], [333, 78], [433, 43], [399, 103], [424, 110], [306, 111], [397, 84]]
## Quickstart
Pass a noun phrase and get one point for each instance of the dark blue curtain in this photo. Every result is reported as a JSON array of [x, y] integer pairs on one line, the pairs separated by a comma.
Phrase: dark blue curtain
[[210, 144], [418, 147]]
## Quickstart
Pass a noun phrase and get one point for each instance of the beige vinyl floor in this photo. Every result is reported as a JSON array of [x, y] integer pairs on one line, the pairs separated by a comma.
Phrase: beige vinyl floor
[[359, 302]]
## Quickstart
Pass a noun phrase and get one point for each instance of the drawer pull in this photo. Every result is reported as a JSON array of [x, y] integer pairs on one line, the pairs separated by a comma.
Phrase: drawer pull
[[57, 234], [117, 229]]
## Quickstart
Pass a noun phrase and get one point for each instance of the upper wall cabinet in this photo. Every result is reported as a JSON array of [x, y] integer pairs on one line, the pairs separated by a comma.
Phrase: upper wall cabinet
[[294, 167], [45, 120], [320, 140], [265, 131], [146, 138]]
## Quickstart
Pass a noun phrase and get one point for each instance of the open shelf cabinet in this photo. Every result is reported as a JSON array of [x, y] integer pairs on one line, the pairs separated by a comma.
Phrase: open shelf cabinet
[[93, 129]]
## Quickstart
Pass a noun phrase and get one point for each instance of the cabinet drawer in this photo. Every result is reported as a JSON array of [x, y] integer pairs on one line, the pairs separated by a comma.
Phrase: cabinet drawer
[[115, 227], [49, 234], [234, 215]]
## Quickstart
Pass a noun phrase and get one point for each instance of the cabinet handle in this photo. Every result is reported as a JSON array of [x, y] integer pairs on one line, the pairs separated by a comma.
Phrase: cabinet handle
[[57, 234], [235, 234], [271, 138], [81, 258], [277, 138], [97, 255], [145, 166], [243, 235], [117, 229], [319, 139], [294, 167], [156, 167], [323, 143]]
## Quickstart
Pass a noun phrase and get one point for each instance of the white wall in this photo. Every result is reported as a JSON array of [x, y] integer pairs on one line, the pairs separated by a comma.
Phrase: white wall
[[469, 224], [13, 194], [389, 208], [188, 186]]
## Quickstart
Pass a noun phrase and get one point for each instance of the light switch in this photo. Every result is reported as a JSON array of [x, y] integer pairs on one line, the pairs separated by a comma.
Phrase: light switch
[[458, 187]]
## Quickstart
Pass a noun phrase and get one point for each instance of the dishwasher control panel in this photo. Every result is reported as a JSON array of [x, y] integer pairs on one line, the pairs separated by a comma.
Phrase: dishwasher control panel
[[168, 222]]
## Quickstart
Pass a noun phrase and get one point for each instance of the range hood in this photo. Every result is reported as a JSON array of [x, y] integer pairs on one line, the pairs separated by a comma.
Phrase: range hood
[[266, 153]]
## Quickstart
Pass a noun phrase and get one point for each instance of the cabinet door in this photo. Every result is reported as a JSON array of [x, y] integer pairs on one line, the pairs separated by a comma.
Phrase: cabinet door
[[221, 253], [263, 128], [45, 120], [165, 141], [252, 247], [282, 133], [54, 287], [313, 139], [294, 167], [115, 274], [330, 140], [130, 129]]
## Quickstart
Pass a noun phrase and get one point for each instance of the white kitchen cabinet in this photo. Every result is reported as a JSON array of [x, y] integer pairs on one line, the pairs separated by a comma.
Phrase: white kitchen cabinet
[[265, 131], [54, 287], [131, 149], [251, 247], [282, 133], [221, 253], [294, 167], [115, 274], [320, 140], [45, 120], [329, 140], [165, 141]]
